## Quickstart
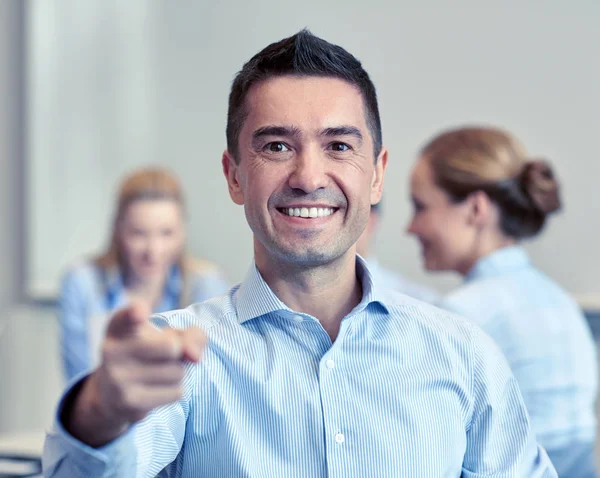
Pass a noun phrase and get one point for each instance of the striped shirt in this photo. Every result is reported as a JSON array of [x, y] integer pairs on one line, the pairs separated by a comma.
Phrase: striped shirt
[[548, 345], [405, 390]]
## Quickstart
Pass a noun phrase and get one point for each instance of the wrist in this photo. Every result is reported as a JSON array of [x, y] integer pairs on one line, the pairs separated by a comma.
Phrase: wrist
[[88, 419]]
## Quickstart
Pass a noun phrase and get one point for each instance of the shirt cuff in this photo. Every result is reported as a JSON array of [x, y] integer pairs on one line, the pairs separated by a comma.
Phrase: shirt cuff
[[64, 454]]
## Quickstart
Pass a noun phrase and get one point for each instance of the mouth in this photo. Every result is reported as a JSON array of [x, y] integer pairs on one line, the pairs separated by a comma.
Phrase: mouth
[[307, 212]]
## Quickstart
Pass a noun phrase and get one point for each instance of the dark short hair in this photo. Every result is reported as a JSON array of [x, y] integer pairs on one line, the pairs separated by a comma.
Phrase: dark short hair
[[302, 54]]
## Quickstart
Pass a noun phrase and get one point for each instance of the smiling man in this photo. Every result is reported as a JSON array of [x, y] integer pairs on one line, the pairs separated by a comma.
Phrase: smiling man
[[308, 369]]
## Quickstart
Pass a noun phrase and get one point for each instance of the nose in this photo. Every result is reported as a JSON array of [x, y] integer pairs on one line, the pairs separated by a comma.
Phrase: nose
[[154, 248], [309, 172], [410, 227]]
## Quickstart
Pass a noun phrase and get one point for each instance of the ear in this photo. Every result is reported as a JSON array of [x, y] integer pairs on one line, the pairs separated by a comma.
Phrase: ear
[[480, 209], [231, 172], [378, 176]]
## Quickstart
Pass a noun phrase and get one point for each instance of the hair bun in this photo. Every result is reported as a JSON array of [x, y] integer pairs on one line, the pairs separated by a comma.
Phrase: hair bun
[[539, 182]]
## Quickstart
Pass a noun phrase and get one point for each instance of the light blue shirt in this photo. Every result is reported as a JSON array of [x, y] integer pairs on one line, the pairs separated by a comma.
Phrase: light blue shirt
[[406, 390], [547, 343], [88, 296], [392, 280]]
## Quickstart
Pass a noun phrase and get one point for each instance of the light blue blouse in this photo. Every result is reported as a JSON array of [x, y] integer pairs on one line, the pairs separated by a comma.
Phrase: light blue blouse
[[547, 342]]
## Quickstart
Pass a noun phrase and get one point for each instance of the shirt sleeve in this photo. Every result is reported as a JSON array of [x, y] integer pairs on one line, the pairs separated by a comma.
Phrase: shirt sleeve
[[73, 319], [146, 449], [142, 452], [500, 441]]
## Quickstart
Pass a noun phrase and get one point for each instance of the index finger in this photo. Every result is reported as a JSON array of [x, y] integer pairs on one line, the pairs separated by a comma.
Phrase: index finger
[[127, 321]]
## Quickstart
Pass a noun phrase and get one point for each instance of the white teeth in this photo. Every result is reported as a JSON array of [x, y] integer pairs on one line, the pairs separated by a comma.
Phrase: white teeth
[[308, 212]]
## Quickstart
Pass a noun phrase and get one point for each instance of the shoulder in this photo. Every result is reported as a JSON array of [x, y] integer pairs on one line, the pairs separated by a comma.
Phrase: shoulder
[[471, 296], [439, 326], [205, 280], [432, 323], [482, 299], [83, 274], [196, 267], [396, 281], [208, 315]]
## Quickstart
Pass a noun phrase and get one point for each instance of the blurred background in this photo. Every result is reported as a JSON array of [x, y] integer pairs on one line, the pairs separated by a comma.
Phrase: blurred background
[[92, 89]]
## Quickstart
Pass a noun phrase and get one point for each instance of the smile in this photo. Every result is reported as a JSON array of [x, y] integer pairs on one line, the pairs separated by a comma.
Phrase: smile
[[307, 212]]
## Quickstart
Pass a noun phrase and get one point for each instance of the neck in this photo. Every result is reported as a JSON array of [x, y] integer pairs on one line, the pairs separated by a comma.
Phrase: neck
[[485, 247], [328, 292], [149, 290]]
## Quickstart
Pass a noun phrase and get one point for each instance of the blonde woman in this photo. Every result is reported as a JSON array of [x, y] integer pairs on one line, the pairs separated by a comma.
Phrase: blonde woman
[[146, 260], [477, 195]]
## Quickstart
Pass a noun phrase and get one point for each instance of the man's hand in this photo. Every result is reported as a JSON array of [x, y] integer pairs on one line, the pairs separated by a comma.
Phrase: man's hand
[[142, 369]]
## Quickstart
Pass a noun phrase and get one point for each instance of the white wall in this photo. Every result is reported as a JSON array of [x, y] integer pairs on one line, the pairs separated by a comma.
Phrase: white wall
[[10, 151], [117, 84], [29, 373]]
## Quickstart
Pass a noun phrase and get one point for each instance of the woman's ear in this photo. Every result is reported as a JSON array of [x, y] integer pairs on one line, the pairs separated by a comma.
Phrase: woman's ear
[[481, 210]]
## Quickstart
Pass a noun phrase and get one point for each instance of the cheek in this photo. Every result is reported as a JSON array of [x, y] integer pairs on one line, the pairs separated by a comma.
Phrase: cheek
[[132, 246], [451, 240], [174, 244], [428, 225], [256, 194]]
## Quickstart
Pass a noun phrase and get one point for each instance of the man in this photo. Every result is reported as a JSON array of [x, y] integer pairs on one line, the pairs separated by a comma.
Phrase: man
[[383, 276], [309, 370]]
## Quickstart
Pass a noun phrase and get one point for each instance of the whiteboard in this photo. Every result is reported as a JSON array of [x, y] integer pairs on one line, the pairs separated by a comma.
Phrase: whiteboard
[[114, 85]]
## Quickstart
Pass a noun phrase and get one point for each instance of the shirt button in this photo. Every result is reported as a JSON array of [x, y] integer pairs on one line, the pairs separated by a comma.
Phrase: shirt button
[[330, 364], [339, 438], [298, 318]]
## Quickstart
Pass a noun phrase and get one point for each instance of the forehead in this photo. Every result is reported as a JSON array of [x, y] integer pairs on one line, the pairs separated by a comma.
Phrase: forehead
[[305, 102], [151, 210], [422, 176]]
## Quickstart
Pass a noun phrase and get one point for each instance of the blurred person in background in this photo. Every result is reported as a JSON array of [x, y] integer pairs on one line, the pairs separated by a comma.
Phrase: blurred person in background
[[146, 260], [476, 196], [382, 275]]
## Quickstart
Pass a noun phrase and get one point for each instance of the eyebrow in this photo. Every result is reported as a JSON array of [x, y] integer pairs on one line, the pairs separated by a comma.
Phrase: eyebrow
[[283, 131], [343, 131]]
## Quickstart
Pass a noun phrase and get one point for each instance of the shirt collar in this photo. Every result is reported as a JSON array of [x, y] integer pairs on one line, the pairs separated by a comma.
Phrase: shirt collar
[[254, 298], [499, 262], [373, 264]]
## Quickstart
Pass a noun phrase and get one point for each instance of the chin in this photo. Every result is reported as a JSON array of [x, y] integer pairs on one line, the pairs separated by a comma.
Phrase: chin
[[432, 265], [150, 274], [308, 256]]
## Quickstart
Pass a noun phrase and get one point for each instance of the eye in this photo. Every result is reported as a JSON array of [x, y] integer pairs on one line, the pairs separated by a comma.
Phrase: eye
[[276, 147], [167, 232], [339, 147], [418, 206]]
